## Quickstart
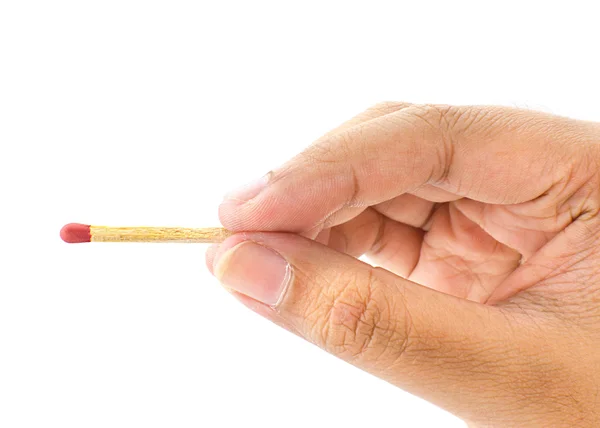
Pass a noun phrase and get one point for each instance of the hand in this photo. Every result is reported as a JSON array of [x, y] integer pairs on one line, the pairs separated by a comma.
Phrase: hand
[[484, 222]]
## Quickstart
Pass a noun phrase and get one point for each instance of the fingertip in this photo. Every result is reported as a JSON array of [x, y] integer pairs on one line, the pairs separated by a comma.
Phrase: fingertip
[[280, 208], [211, 252], [230, 214], [215, 251], [248, 191], [262, 213], [225, 246]]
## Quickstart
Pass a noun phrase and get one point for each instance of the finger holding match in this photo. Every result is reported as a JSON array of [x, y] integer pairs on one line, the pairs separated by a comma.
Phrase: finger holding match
[[74, 233]]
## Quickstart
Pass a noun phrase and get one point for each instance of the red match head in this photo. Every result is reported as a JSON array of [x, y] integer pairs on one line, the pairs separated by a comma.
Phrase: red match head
[[74, 233]]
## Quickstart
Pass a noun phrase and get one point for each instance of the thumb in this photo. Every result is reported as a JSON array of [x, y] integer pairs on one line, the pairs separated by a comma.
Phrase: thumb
[[439, 347]]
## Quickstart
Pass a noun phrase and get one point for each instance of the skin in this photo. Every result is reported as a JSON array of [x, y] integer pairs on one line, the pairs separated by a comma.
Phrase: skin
[[484, 224]]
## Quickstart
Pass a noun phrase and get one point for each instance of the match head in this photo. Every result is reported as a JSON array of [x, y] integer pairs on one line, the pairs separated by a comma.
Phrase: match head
[[74, 233]]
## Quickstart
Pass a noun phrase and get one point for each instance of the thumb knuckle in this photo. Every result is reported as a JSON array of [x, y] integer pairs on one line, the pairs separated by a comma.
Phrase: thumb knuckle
[[362, 322]]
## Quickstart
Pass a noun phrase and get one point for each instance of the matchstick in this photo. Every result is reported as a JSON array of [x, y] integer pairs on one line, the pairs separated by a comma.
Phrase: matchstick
[[75, 233]]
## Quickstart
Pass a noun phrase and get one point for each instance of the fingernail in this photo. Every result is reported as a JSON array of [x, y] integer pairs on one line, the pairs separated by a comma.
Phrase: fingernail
[[248, 191], [255, 271]]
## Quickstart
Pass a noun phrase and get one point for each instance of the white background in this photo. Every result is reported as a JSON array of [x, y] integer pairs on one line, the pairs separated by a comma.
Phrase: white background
[[144, 113]]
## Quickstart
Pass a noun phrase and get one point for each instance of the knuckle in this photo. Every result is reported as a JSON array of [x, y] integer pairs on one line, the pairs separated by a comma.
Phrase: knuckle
[[459, 120], [429, 115], [439, 121], [452, 125], [589, 193], [361, 321]]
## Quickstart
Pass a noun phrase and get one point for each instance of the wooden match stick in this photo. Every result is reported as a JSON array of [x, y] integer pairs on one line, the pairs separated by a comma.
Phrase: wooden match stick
[[75, 233]]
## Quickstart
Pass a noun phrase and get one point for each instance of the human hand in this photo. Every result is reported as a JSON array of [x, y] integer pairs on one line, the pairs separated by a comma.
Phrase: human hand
[[493, 211]]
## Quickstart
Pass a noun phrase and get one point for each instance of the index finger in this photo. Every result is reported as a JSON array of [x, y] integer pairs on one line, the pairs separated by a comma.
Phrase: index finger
[[491, 154]]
